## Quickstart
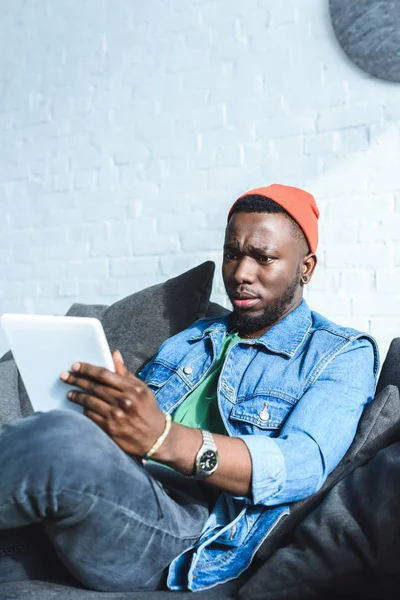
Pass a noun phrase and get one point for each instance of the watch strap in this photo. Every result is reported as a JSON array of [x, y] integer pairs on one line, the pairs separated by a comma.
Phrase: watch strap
[[208, 445], [208, 439]]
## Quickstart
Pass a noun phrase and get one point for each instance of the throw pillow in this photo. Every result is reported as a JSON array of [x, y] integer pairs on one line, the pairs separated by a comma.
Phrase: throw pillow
[[348, 547], [137, 325], [390, 372]]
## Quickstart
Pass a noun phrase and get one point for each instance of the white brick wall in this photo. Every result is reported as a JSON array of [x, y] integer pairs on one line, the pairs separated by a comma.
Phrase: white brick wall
[[127, 128]]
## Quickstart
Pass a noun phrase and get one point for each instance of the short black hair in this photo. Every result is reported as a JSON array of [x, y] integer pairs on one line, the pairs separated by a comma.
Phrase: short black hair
[[255, 203]]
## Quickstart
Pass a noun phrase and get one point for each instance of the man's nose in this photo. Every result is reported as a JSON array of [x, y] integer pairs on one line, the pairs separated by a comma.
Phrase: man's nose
[[244, 272]]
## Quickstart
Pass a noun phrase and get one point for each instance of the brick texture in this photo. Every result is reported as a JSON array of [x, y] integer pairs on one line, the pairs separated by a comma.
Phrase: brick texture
[[128, 128]]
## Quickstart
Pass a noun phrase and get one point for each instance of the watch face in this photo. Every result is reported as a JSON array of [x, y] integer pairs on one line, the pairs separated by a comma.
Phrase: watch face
[[208, 461]]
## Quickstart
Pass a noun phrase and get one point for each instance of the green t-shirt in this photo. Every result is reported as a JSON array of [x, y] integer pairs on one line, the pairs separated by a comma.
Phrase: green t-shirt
[[200, 408]]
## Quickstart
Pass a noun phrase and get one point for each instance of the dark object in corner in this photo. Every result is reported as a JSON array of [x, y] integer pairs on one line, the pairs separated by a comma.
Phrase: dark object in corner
[[368, 32]]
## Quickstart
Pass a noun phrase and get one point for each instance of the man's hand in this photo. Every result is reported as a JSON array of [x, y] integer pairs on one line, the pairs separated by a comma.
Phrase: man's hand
[[127, 410], [120, 403]]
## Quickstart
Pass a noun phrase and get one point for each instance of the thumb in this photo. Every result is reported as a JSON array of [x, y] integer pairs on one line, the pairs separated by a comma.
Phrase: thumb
[[119, 364]]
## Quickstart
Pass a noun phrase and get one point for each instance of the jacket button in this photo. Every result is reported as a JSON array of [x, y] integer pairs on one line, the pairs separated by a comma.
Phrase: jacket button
[[264, 414], [187, 370]]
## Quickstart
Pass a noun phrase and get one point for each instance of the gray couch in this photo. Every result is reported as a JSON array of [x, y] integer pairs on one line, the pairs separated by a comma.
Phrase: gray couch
[[321, 548]]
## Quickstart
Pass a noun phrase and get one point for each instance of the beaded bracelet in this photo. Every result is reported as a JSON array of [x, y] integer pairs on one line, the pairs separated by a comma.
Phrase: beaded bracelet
[[162, 437]]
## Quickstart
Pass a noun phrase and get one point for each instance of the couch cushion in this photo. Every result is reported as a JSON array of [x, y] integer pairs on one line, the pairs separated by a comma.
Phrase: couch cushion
[[348, 547], [41, 590], [379, 427]]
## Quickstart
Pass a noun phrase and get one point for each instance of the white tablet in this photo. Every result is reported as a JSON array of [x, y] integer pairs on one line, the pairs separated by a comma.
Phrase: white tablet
[[45, 346]]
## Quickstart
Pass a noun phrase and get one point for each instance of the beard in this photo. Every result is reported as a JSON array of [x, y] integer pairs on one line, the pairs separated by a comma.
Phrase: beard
[[246, 323]]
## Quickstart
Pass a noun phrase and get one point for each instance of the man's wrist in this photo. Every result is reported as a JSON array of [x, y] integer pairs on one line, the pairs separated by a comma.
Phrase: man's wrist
[[161, 439], [180, 448]]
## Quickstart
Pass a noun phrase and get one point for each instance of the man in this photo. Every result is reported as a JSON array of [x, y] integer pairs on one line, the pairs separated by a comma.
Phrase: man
[[264, 404]]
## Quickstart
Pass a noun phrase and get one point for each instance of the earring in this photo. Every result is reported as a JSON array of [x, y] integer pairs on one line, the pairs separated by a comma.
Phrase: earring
[[305, 279]]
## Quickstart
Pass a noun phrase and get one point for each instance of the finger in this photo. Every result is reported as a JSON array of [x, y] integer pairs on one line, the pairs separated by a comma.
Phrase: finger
[[136, 381], [100, 421], [113, 425], [107, 394], [119, 364], [99, 374], [126, 382], [122, 383], [90, 403]]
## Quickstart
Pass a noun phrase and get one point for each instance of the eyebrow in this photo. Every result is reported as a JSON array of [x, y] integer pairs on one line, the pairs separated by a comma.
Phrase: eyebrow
[[251, 248]]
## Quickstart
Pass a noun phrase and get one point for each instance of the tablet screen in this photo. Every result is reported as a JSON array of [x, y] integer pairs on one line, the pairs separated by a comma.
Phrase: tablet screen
[[45, 346]]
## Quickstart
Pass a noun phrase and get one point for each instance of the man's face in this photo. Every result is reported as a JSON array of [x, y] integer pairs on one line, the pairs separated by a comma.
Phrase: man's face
[[262, 269]]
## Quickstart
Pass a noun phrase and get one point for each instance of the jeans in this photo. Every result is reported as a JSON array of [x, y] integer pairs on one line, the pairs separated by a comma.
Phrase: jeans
[[112, 524]]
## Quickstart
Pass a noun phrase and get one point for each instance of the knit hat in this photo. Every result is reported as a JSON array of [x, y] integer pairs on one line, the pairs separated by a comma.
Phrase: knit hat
[[298, 203]]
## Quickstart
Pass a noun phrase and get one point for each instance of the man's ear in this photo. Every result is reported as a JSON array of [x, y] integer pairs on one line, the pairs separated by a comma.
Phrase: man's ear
[[307, 268]]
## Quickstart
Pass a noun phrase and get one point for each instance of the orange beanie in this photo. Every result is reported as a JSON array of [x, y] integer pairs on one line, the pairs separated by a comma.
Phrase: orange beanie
[[299, 204]]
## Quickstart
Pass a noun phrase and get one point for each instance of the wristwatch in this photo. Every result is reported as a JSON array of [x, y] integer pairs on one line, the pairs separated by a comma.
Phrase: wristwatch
[[207, 457]]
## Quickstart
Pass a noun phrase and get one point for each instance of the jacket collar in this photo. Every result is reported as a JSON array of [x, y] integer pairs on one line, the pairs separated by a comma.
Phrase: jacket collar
[[286, 336], [283, 338]]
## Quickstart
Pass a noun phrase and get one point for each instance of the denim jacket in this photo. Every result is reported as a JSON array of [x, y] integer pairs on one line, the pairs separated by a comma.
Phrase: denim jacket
[[294, 396]]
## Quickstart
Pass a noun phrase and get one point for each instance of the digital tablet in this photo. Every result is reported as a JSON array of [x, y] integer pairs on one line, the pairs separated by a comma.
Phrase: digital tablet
[[45, 346]]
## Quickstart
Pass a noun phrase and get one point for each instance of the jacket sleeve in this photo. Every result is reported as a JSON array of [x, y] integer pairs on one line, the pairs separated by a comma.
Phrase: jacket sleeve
[[318, 431]]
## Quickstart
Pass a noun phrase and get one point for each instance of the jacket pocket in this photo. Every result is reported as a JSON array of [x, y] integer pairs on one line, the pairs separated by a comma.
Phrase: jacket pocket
[[262, 412], [159, 375]]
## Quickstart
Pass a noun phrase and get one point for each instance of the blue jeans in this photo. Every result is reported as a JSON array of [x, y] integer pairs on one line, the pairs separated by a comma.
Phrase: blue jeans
[[113, 525]]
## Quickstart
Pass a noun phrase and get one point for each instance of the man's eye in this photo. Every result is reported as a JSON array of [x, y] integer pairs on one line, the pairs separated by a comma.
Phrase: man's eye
[[230, 256], [264, 259]]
